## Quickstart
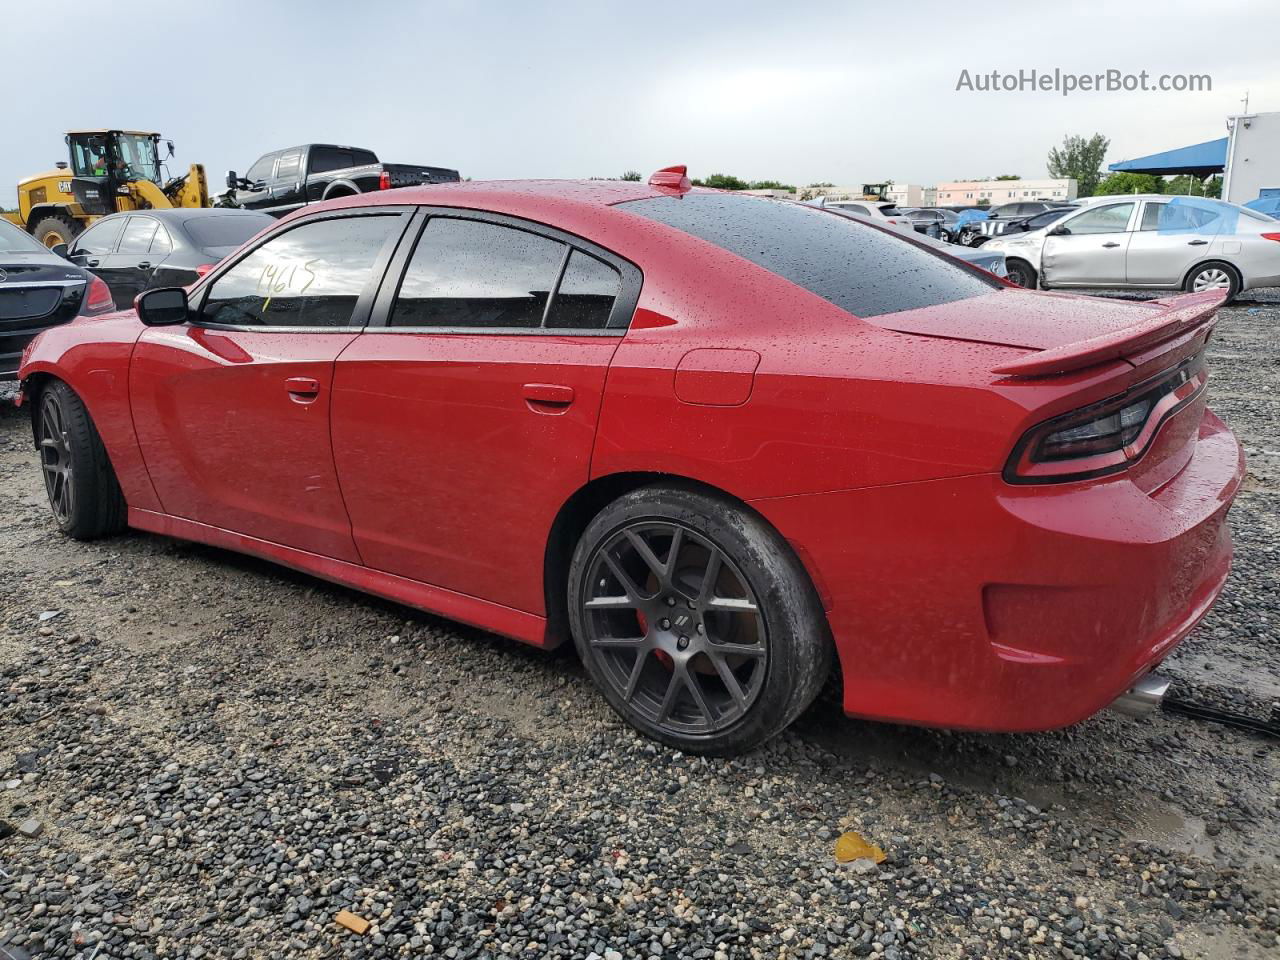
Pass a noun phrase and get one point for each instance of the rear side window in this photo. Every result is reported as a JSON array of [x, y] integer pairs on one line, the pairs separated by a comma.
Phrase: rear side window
[[324, 159], [137, 235], [161, 243], [855, 266], [310, 276], [289, 165], [586, 294], [465, 273]]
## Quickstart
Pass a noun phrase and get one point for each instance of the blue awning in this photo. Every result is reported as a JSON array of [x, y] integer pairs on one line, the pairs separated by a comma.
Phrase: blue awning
[[1200, 159]]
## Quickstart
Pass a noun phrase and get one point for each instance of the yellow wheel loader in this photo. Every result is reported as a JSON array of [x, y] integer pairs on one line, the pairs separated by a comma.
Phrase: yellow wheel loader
[[110, 171]]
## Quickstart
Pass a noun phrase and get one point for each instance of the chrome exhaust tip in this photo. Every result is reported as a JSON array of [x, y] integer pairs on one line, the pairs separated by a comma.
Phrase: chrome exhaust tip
[[1144, 697]]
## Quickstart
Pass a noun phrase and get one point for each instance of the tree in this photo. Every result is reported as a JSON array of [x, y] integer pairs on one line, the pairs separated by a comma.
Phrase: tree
[[1079, 160], [1009, 176], [631, 175], [1128, 183], [1193, 186], [770, 185], [722, 181]]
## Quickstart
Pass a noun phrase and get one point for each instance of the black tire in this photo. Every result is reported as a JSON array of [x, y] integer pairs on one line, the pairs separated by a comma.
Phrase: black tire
[[1214, 269], [979, 241], [1021, 274], [760, 600], [56, 228], [84, 493]]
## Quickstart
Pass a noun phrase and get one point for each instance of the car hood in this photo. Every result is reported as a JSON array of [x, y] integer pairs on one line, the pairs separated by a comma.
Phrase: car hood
[[33, 267], [1020, 318]]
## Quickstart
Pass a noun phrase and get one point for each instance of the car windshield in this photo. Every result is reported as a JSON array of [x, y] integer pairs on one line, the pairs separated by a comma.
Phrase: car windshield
[[855, 266], [228, 230], [15, 240]]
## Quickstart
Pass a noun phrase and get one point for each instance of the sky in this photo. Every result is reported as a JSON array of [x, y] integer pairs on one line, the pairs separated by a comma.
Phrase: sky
[[801, 92]]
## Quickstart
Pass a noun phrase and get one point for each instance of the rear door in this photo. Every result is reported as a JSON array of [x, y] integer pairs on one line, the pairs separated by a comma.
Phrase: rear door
[[232, 409], [128, 269], [1090, 250], [286, 183], [464, 417], [1169, 240]]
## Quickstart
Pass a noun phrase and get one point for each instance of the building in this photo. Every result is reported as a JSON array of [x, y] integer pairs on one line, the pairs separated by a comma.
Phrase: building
[[1253, 157], [910, 195], [996, 192]]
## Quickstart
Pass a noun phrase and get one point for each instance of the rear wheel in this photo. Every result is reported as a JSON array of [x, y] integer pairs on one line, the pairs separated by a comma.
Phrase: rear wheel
[[1021, 274], [84, 494], [1214, 275], [696, 621], [57, 228]]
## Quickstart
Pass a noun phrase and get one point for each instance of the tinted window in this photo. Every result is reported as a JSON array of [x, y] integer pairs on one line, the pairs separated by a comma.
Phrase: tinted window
[[586, 293], [230, 230], [859, 268], [262, 169], [339, 158], [857, 208], [465, 273], [310, 276], [161, 243], [1175, 217], [1109, 219], [100, 238], [137, 235], [289, 165]]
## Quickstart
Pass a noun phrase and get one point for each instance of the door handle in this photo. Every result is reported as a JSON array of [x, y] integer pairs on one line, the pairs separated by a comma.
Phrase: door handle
[[1109, 244], [302, 389], [145, 265], [91, 263], [548, 397], [1196, 243]]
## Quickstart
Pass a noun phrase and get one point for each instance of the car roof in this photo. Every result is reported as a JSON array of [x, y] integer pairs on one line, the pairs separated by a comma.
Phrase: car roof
[[183, 214]]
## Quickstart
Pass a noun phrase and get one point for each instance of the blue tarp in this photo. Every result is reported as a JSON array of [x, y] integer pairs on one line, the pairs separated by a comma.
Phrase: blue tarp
[[1200, 159], [1267, 205]]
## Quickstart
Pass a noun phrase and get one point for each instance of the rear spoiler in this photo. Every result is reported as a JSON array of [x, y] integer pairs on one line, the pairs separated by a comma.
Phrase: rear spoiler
[[1171, 317]]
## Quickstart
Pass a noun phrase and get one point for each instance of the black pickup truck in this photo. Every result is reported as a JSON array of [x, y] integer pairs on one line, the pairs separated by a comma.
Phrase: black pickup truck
[[283, 180]]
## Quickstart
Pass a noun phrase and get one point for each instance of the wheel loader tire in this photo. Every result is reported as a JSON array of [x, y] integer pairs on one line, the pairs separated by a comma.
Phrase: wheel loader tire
[[57, 228]]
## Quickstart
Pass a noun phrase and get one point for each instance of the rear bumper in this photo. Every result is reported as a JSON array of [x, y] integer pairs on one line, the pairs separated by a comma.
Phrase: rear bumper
[[973, 604]]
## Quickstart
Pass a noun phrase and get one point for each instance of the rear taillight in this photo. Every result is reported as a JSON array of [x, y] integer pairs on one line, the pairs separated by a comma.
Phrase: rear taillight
[[384, 181], [98, 298], [1271, 236], [204, 268], [1104, 437]]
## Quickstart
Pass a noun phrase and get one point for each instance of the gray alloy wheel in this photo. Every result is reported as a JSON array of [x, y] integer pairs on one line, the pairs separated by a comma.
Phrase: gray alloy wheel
[[696, 620], [674, 628], [1214, 275]]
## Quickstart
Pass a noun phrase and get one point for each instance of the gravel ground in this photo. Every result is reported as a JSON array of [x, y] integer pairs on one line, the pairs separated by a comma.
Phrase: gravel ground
[[218, 755]]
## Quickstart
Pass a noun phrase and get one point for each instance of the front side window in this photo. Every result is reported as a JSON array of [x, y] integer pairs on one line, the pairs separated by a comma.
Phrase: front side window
[[466, 273], [310, 276], [100, 238], [1113, 218], [261, 170], [863, 270], [138, 234]]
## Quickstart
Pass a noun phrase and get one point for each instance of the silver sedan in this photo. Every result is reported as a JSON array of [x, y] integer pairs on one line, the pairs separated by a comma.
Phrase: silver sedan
[[1148, 242]]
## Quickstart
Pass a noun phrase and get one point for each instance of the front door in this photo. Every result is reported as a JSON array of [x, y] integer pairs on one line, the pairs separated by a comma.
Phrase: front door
[[232, 409], [1088, 248], [464, 423]]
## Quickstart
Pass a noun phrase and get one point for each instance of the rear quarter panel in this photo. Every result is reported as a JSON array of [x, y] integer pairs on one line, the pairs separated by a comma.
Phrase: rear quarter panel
[[92, 357]]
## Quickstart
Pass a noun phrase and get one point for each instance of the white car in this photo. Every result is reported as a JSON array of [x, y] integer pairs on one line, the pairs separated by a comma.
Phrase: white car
[[884, 212], [1148, 242]]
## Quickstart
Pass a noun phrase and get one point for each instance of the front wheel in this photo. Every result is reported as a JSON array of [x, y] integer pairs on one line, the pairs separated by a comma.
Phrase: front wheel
[[696, 621], [84, 494], [1021, 274]]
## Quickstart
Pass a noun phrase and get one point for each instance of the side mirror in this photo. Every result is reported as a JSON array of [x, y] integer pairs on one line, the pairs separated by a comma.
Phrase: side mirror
[[1059, 232], [232, 179], [61, 250], [162, 307]]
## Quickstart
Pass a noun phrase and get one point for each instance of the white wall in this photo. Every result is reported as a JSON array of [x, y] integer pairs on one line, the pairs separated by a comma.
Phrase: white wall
[[1253, 156]]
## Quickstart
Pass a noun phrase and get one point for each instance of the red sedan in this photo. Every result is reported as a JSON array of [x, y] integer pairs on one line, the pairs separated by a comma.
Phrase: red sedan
[[720, 441]]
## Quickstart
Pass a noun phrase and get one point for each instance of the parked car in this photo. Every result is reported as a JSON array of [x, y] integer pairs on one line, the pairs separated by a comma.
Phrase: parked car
[[285, 180], [933, 221], [39, 289], [1148, 242], [716, 439], [140, 250], [991, 261], [1023, 208], [882, 211], [1019, 225]]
